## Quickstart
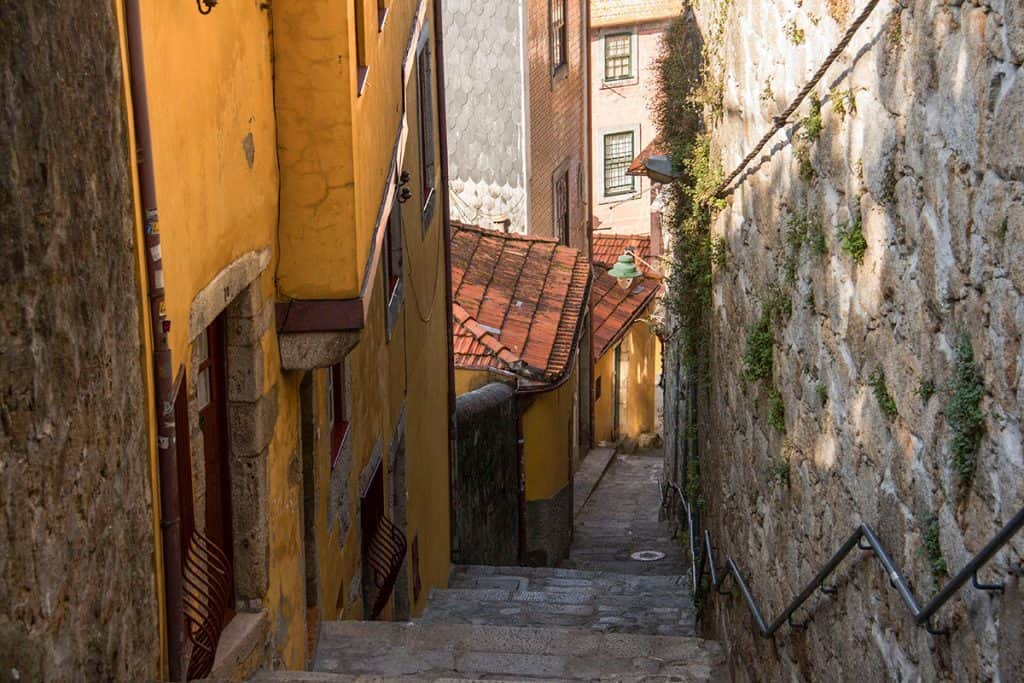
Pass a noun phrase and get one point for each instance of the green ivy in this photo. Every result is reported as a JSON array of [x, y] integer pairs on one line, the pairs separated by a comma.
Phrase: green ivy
[[822, 392], [966, 420], [758, 357], [719, 252], [882, 395], [694, 493]]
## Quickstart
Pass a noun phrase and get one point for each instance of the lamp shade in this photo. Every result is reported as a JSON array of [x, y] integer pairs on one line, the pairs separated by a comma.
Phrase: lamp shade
[[625, 270]]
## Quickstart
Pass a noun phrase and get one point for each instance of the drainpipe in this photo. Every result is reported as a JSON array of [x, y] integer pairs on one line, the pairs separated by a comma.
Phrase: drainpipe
[[170, 517], [589, 149], [442, 144]]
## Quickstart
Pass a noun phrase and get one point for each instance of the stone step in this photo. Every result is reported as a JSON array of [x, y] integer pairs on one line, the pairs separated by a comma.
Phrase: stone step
[[464, 575], [465, 652]]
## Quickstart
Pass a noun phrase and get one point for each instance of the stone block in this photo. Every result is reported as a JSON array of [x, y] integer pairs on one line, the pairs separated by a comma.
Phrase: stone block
[[252, 424]]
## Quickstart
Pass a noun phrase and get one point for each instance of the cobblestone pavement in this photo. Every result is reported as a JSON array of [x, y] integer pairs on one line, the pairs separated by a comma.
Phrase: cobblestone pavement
[[621, 518]]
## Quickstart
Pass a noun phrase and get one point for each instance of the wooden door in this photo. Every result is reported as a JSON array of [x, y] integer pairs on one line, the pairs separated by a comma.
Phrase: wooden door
[[211, 395]]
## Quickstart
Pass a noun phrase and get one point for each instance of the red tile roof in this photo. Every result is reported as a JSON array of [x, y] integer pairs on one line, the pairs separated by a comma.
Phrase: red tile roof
[[517, 302], [606, 248], [615, 309]]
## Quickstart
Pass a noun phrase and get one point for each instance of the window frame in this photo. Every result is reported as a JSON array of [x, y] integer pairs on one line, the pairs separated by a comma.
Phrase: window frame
[[393, 267], [561, 215], [426, 121], [625, 190], [362, 67], [338, 423], [630, 73], [558, 51]]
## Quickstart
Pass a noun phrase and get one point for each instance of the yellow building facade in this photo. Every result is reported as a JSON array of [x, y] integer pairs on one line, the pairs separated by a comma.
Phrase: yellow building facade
[[633, 365], [296, 152]]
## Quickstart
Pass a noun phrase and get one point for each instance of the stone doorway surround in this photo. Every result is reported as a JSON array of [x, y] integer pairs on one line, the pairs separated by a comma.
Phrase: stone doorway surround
[[252, 416]]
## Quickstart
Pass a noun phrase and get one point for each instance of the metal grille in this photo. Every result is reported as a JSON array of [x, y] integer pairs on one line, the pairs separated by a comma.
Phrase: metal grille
[[385, 557], [618, 57], [618, 154], [207, 595], [557, 34]]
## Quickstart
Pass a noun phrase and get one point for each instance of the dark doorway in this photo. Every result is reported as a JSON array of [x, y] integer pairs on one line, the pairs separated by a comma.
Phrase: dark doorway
[[211, 396]]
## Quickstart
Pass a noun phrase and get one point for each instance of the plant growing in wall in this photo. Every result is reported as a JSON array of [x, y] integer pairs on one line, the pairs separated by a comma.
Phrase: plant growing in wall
[[719, 252], [885, 400], [932, 548], [805, 166], [821, 391], [794, 32], [963, 411], [778, 471], [843, 102], [851, 237], [811, 123], [758, 357]]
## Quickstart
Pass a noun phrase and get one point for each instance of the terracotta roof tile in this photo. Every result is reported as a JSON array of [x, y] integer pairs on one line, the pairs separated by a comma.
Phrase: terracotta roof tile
[[517, 302], [608, 247], [615, 309], [618, 12]]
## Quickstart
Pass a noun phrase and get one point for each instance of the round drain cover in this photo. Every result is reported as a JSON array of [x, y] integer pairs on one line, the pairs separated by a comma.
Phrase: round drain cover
[[647, 556]]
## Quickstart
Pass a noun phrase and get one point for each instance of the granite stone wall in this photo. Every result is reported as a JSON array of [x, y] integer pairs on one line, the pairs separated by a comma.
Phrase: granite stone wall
[[874, 260], [486, 496], [78, 598]]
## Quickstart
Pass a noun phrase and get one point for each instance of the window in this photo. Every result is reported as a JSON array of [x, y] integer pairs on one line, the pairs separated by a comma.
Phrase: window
[[597, 389], [618, 57], [425, 95], [362, 70], [337, 410], [393, 252], [618, 155], [558, 35], [561, 192]]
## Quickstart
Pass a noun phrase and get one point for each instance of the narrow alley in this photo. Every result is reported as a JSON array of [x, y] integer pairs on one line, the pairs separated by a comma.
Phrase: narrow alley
[[561, 340], [602, 615]]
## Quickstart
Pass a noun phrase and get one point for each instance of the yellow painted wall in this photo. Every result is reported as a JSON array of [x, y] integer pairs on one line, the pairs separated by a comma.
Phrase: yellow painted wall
[[212, 113], [471, 380], [386, 375], [604, 370], [644, 366], [547, 447], [641, 360], [336, 145]]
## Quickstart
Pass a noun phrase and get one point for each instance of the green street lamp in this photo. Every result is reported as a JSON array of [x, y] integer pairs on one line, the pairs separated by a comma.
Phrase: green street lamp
[[625, 271]]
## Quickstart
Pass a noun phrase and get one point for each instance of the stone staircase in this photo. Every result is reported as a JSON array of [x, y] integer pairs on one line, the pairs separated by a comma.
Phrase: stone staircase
[[541, 596], [603, 617]]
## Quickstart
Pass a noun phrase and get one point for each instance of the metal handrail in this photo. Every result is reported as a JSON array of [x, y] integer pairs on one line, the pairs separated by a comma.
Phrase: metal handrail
[[862, 534]]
